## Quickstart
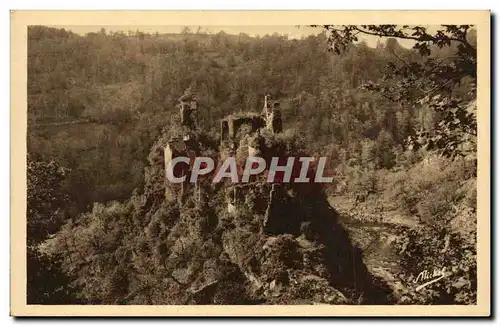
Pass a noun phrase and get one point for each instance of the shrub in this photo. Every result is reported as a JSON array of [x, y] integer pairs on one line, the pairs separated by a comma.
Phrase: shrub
[[362, 181], [429, 247], [429, 188]]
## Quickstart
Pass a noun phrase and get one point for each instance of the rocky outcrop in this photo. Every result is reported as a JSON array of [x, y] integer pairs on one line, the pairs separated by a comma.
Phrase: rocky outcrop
[[254, 242]]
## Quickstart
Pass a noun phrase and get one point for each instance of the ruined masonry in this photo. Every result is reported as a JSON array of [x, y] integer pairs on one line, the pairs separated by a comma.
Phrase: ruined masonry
[[247, 124]]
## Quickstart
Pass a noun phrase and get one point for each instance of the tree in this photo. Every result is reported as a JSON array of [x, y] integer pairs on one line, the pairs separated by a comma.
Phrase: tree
[[46, 201], [96, 250], [431, 80]]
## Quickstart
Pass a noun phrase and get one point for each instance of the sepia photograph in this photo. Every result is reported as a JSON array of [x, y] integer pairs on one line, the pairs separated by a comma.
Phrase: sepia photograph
[[265, 164]]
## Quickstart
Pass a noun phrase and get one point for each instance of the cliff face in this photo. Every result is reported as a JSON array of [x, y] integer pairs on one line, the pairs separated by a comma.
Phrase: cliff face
[[255, 242]]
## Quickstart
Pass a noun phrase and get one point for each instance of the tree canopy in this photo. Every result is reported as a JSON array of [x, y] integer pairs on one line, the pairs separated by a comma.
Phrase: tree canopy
[[447, 60]]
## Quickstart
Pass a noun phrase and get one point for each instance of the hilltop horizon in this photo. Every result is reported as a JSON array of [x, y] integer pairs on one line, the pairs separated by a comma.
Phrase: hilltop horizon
[[291, 31]]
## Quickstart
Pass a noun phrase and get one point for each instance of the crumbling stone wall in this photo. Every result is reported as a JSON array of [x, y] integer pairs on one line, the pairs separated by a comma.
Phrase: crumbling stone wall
[[274, 123], [176, 147], [253, 122], [238, 134], [188, 106], [230, 126], [224, 129], [255, 145], [187, 115]]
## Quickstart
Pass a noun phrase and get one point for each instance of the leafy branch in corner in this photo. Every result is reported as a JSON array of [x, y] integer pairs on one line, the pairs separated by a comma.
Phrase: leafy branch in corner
[[425, 81]]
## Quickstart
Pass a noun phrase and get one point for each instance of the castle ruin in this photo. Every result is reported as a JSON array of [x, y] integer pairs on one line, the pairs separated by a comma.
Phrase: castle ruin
[[252, 123], [232, 128]]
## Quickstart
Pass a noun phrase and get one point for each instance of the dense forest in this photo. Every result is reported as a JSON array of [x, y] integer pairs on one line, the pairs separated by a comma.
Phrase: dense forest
[[397, 125]]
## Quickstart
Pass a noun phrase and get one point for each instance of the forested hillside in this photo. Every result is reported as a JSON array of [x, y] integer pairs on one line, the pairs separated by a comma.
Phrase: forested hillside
[[99, 104]]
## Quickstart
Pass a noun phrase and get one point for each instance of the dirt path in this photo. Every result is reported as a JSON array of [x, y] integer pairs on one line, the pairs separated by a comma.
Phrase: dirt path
[[364, 213]]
